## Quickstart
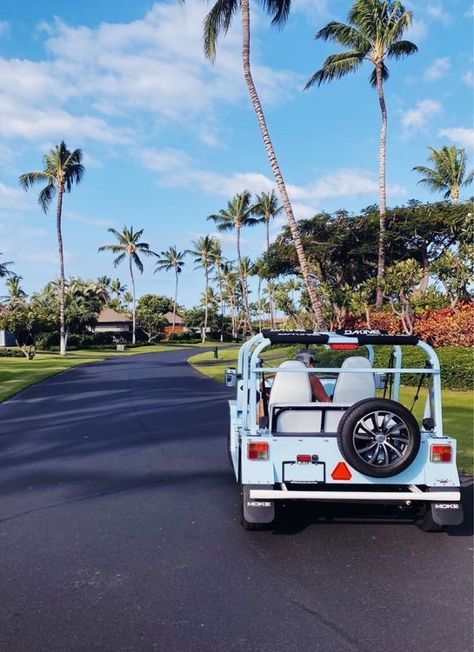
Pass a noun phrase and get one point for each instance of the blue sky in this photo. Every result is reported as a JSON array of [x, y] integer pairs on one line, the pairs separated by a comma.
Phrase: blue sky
[[168, 138]]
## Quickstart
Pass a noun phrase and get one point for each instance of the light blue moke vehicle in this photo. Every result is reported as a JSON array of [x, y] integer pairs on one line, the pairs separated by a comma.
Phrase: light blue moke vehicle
[[363, 446]]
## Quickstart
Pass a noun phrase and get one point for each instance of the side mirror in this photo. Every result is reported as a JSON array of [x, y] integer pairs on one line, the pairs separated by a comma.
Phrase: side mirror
[[230, 377]]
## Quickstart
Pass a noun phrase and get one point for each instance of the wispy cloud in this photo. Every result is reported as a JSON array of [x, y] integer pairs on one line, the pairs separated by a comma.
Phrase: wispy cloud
[[437, 12], [418, 117], [177, 169], [438, 69], [4, 27], [460, 136], [417, 31]]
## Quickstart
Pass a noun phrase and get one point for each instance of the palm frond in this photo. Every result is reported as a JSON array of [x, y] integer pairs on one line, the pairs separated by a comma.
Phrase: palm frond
[[119, 259], [138, 262], [279, 9], [345, 35], [217, 20], [30, 178], [373, 76], [335, 67], [46, 196], [401, 49]]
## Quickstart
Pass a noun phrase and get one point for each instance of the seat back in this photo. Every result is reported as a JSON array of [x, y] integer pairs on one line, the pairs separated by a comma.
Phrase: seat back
[[353, 387], [290, 387]]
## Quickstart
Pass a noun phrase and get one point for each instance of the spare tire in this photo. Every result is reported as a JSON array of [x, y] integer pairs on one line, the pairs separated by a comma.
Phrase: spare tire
[[378, 437]]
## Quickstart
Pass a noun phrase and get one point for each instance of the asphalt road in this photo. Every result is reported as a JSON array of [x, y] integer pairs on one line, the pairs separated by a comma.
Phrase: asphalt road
[[119, 530]]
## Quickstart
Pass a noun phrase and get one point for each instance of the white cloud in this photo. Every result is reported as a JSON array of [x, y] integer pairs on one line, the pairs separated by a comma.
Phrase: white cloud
[[437, 12], [460, 136], [176, 169], [417, 31], [438, 69], [4, 27], [418, 117], [13, 199], [115, 72], [468, 78]]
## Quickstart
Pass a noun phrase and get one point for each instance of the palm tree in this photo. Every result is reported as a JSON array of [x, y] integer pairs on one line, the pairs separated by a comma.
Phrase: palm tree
[[266, 207], [4, 271], [128, 244], [448, 173], [230, 280], [219, 20], [171, 259], [203, 253], [16, 294], [373, 33], [62, 170], [237, 214], [218, 263]]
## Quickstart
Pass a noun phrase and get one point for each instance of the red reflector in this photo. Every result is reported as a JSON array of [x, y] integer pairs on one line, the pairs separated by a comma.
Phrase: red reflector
[[441, 453], [341, 472], [343, 347], [257, 450], [303, 458]]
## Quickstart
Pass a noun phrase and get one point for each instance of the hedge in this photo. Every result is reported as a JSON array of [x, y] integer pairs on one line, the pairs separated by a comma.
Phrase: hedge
[[11, 353], [457, 363]]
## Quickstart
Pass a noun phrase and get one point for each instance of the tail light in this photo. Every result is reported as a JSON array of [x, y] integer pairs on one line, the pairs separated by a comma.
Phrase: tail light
[[257, 450], [303, 458], [344, 346], [441, 453]]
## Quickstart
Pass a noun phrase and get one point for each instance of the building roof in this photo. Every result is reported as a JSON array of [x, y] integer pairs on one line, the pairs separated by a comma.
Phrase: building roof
[[109, 315], [179, 321]]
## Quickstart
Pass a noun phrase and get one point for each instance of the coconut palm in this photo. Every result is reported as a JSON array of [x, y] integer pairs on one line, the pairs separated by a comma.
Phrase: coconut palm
[[15, 293], [373, 33], [448, 173], [62, 170], [128, 245], [246, 270], [231, 284], [237, 215], [218, 262], [219, 20], [203, 253], [4, 271], [266, 207], [172, 259]]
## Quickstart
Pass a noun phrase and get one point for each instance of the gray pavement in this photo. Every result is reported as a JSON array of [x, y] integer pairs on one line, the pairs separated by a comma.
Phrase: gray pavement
[[119, 530]]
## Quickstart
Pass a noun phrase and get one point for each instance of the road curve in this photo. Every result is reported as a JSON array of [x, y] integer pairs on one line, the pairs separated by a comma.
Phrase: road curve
[[119, 530]]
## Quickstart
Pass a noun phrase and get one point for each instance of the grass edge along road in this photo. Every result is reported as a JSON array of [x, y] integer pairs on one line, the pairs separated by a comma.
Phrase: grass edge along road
[[458, 406], [16, 374]]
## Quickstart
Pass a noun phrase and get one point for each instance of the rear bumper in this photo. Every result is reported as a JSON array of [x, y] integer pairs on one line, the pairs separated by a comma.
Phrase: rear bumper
[[360, 496]]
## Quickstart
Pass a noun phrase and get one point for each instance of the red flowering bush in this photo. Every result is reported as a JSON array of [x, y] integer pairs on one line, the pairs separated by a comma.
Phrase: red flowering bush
[[443, 327]]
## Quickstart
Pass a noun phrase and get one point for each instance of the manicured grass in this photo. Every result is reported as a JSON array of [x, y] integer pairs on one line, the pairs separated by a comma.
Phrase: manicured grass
[[458, 406], [18, 373]]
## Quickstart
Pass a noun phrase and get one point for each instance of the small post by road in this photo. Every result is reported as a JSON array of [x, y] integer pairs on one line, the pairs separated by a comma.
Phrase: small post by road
[[216, 352]]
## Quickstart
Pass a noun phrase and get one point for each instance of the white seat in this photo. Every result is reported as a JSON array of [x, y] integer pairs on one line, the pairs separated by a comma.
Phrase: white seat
[[353, 387], [290, 387]]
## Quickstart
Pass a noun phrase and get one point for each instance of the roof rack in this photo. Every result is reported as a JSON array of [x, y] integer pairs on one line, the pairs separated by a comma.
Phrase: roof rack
[[361, 336]]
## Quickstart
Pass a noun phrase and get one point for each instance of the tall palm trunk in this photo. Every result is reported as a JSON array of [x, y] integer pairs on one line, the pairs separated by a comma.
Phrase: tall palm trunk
[[219, 281], [62, 289], [243, 286], [382, 189], [175, 297], [134, 307], [455, 194], [206, 305], [315, 303], [270, 284]]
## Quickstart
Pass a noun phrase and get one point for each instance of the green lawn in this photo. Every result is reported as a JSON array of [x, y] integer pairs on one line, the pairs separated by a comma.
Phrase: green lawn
[[458, 407], [18, 373]]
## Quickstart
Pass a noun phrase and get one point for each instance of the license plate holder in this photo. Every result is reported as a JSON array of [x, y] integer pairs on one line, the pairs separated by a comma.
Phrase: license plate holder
[[304, 472]]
